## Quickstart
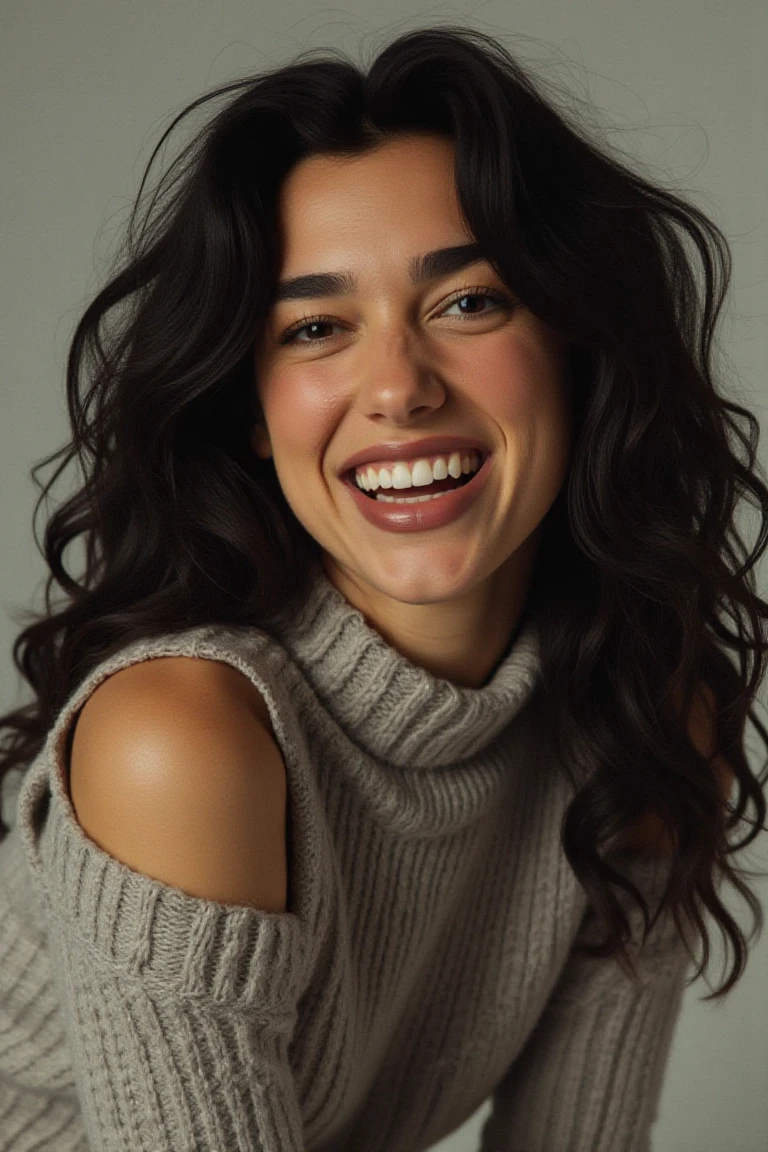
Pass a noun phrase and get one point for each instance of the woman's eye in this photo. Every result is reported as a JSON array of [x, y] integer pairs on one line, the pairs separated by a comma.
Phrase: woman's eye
[[320, 322], [315, 322], [474, 296]]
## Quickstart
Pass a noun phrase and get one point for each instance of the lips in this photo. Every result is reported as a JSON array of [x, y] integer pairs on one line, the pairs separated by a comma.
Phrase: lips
[[412, 449]]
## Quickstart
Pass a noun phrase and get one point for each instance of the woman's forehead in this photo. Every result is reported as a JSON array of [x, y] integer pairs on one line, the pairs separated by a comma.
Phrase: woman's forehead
[[388, 211]]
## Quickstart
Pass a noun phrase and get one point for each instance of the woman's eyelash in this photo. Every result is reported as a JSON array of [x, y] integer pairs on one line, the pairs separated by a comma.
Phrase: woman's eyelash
[[306, 321]]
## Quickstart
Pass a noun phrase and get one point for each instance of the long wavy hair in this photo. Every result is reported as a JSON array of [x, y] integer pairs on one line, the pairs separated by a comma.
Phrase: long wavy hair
[[639, 562]]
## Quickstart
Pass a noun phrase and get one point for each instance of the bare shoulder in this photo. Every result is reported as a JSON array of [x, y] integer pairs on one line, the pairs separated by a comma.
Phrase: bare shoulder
[[174, 770]]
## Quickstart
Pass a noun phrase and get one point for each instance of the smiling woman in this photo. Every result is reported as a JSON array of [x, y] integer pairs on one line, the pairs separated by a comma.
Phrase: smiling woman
[[445, 581], [382, 759]]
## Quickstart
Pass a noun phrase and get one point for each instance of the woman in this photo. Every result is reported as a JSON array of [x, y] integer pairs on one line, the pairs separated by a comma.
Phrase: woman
[[381, 761]]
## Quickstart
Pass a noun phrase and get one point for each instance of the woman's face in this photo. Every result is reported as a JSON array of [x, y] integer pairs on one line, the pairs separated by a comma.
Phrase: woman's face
[[396, 361]]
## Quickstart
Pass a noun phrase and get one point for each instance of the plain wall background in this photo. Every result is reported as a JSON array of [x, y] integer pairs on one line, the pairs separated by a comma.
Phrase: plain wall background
[[86, 90]]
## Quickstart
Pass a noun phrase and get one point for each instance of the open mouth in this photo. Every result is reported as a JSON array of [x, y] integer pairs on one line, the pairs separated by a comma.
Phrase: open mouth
[[448, 485]]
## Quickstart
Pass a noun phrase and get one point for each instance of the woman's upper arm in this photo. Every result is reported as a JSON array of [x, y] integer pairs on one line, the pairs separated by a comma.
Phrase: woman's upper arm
[[174, 772]]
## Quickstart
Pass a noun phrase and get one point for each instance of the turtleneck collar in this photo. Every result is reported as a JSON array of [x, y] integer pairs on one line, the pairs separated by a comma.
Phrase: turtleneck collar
[[394, 709]]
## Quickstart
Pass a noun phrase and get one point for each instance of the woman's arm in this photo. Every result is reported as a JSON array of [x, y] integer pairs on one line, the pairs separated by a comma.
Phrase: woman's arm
[[178, 968]]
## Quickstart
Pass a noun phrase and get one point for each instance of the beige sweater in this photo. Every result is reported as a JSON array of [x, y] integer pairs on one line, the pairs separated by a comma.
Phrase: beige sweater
[[424, 962]]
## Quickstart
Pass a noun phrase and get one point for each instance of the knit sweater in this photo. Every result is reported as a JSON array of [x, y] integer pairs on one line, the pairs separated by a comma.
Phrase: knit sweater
[[424, 963]]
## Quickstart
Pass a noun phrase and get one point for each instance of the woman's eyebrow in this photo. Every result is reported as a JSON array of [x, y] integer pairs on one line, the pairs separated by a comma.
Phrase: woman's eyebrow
[[440, 262]]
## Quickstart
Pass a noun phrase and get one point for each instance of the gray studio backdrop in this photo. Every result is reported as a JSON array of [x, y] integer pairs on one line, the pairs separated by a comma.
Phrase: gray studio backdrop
[[87, 89]]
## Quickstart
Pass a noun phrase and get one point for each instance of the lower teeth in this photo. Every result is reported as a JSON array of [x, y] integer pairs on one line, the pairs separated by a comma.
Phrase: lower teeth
[[411, 499]]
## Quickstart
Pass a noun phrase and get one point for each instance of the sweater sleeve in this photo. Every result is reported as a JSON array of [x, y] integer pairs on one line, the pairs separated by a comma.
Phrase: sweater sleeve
[[590, 1074], [178, 1011]]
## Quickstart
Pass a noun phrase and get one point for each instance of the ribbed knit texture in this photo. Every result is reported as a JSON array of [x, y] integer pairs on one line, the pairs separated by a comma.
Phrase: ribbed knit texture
[[424, 962]]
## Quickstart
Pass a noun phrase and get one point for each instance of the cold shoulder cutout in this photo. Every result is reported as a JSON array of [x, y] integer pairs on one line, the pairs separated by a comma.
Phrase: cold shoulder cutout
[[172, 772]]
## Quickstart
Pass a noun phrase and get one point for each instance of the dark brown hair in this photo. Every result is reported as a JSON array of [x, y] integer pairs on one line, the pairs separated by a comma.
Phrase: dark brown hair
[[641, 561]]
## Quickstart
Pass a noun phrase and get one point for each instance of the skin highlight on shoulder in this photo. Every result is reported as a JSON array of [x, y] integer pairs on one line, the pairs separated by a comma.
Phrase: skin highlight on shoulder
[[173, 773]]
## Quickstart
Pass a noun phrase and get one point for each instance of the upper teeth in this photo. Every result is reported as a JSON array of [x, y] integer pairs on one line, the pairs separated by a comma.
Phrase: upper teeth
[[423, 472]]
